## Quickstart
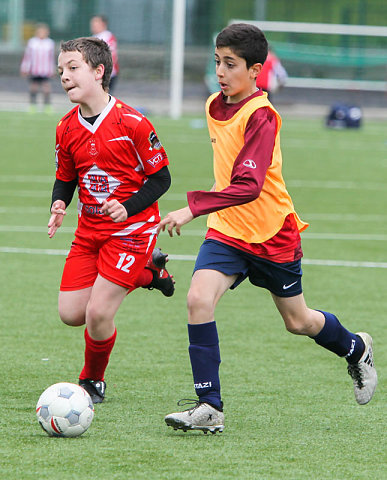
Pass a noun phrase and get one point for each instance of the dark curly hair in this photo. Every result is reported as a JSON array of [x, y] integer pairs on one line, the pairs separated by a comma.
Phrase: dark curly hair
[[246, 41]]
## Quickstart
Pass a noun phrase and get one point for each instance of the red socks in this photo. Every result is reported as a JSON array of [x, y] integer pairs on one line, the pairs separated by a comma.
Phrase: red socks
[[97, 353], [145, 278]]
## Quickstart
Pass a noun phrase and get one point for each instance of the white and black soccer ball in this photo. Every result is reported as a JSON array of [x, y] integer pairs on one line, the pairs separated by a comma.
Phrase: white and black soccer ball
[[65, 410]]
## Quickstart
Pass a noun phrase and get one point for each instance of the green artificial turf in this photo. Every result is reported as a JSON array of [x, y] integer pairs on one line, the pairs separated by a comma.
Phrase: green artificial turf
[[289, 405]]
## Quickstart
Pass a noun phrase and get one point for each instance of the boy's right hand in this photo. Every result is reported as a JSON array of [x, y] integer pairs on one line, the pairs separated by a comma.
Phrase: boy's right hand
[[176, 220], [58, 210]]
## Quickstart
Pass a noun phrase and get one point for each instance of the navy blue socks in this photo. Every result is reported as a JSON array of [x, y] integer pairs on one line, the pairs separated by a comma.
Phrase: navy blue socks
[[205, 360], [339, 340], [205, 356]]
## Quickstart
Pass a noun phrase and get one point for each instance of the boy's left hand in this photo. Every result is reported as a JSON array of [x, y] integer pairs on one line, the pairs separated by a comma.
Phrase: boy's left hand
[[176, 220], [115, 210], [58, 211]]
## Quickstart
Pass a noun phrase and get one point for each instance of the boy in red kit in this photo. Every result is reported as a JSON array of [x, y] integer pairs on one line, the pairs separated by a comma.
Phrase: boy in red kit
[[253, 232], [111, 153]]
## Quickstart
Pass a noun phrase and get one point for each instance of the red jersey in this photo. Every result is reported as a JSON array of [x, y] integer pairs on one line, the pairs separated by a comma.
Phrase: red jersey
[[273, 75], [111, 160]]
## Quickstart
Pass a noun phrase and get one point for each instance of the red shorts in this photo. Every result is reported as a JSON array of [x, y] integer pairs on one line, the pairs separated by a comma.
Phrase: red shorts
[[119, 259]]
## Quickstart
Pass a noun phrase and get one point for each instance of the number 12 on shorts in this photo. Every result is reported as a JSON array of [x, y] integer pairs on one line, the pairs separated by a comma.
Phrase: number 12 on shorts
[[125, 262]]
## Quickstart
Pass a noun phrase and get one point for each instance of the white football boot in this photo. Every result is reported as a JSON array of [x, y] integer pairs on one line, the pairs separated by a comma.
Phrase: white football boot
[[363, 373], [201, 416]]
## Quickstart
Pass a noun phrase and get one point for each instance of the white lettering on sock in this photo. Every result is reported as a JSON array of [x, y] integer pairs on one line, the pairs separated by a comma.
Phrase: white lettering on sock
[[351, 349], [202, 385]]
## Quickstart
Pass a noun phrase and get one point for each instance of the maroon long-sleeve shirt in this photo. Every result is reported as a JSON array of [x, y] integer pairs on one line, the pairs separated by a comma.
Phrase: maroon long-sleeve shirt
[[246, 183]]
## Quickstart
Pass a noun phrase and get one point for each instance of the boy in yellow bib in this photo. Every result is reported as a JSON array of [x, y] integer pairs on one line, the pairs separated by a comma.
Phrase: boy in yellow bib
[[254, 232]]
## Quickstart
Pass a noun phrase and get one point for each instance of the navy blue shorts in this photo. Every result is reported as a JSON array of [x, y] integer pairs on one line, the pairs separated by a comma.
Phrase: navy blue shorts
[[282, 279], [37, 79]]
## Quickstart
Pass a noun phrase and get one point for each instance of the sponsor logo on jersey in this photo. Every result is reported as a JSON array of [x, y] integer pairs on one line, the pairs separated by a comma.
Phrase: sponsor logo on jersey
[[250, 164], [155, 160], [154, 141], [93, 210], [92, 147], [99, 183]]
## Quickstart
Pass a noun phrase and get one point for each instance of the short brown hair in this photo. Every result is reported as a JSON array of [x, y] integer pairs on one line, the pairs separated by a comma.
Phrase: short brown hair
[[95, 52]]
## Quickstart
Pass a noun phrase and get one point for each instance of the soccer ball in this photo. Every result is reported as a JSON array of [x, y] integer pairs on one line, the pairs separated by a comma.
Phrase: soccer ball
[[65, 410]]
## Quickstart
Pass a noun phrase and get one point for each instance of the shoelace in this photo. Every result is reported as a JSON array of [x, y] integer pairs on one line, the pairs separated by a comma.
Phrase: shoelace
[[189, 401], [355, 372]]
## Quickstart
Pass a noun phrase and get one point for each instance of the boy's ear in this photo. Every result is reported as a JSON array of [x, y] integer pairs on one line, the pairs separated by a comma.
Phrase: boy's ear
[[255, 69], [99, 71]]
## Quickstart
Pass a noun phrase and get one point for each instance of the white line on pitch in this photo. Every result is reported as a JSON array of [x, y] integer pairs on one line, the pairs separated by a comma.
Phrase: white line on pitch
[[344, 217], [26, 193], [27, 178], [343, 263], [332, 217], [345, 236], [322, 144], [294, 183], [33, 210], [30, 229], [332, 184], [192, 258], [201, 233], [26, 210], [33, 251]]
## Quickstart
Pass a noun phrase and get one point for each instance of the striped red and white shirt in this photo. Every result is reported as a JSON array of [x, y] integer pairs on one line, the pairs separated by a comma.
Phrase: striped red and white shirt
[[39, 58], [111, 40]]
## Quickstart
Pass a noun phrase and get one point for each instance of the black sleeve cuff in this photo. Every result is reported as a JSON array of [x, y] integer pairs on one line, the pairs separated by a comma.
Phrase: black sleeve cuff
[[64, 191]]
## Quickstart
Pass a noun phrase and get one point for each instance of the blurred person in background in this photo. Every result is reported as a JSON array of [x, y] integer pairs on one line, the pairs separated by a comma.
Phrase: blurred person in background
[[273, 75], [39, 65], [99, 29]]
